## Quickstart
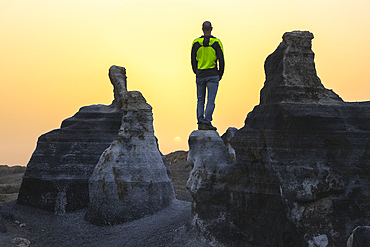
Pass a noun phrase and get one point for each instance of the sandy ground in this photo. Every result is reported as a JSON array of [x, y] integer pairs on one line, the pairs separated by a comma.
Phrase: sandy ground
[[169, 227]]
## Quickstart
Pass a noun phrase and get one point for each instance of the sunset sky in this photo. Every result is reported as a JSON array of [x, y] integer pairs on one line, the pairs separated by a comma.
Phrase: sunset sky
[[55, 56]]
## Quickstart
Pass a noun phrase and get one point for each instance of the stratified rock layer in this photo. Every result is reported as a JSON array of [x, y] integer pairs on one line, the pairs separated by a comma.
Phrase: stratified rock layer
[[302, 163], [57, 174], [132, 178]]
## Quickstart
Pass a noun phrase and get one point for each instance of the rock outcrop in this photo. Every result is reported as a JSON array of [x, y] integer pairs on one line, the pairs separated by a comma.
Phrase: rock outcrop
[[302, 163], [209, 157], [132, 178], [56, 178]]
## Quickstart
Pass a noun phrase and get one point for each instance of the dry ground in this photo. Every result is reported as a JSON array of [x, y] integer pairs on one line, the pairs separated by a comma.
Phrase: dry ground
[[169, 227]]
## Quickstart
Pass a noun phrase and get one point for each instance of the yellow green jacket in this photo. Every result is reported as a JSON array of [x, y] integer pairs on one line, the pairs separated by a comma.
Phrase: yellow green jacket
[[206, 51]]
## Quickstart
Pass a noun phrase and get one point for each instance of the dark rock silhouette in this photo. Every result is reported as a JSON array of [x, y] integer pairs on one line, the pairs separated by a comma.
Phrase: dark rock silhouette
[[56, 178], [2, 224], [131, 179], [302, 163]]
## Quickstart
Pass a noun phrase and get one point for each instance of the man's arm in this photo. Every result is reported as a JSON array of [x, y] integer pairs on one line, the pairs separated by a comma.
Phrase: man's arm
[[194, 61], [221, 60]]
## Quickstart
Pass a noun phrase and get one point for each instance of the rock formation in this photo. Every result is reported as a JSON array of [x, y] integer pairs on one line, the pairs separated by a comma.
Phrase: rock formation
[[209, 157], [302, 163], [57, 174], [131, 179]]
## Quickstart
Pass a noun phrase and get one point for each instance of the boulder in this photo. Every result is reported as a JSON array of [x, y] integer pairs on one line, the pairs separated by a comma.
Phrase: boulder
[[360, 237], [302, 163], [21, 242], [131, 179], [56, 178]]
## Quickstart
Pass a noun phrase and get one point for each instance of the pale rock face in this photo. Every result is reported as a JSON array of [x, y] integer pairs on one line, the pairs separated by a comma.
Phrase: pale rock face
[[318, 241], [130, 179], [208, 155], [302, 163], [117, 76]]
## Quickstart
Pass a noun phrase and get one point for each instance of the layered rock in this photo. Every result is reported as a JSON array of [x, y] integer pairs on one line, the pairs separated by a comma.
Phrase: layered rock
[[131, 179], [57, 174], [302, 163]]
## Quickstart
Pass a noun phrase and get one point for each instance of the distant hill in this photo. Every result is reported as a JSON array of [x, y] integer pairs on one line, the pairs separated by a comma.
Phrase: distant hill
[[10, 182], [11, 177], [180, 169]]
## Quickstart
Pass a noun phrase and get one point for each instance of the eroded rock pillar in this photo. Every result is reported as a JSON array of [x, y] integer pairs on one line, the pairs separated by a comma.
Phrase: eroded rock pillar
[[130, 179]]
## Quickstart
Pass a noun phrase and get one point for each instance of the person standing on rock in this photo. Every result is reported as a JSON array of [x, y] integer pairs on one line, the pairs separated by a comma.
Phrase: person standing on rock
[[206, 51]]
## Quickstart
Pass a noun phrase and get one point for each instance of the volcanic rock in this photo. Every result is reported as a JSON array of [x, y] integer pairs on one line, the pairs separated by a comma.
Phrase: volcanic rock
[[56, 178], [131, 179], [302, 163]]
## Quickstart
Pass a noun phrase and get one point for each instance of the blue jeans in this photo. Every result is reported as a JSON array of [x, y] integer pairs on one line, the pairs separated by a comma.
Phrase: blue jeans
[[211, 84]]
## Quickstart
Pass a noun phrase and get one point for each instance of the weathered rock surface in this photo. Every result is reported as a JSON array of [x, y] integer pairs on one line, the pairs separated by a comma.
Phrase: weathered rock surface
[[209, 156], [57, 174], [360, 237], [302, 163], [131, 179], [21, 242]]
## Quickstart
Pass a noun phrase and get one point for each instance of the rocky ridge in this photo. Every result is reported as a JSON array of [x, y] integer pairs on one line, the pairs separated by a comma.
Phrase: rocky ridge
[[300, 176], [295, 174]]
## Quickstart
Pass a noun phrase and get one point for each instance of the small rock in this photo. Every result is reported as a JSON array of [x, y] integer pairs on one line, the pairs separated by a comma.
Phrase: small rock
[[21, 242], [17, 222], [23, 225], [360, 237], [350, 241]]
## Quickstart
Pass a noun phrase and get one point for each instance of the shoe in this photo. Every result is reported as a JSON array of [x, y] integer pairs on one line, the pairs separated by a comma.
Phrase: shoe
[[203, 126]]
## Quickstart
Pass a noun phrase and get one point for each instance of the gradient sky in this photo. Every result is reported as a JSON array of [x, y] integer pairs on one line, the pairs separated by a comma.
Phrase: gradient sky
[[55, 56]]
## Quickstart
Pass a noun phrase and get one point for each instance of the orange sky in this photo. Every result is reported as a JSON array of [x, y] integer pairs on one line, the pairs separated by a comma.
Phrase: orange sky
[[55, 56]]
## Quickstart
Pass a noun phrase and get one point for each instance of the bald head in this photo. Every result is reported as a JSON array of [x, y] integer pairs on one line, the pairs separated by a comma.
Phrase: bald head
[[207, 27]]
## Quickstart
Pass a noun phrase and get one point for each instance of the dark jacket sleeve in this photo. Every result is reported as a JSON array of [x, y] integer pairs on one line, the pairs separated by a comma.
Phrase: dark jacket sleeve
[[221, 61], [194, 62]]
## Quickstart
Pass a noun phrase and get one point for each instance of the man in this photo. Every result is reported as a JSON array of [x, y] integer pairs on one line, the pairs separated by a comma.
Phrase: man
[[206, 51]]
